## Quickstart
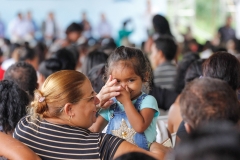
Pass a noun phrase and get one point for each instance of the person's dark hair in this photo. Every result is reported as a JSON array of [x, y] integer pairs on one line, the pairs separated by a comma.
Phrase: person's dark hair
[[134, 58], [24, 75], [135, 156], [13, 103], [194, 70], [49, 66], [107, 45], [206, 99], [96, 77], [1, 53], [92, 59], [224, 66], [215, 140], [74, 27], [168, 47], [67, 59], [161, 25], [182, 67], [12, 48], [26, 53], [40, 50]]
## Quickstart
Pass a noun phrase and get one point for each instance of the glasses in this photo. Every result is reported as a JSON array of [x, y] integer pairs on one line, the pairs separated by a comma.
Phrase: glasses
[[93, 96]]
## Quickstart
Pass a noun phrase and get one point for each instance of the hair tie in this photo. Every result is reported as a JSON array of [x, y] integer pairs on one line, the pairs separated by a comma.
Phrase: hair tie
[[41, 99]]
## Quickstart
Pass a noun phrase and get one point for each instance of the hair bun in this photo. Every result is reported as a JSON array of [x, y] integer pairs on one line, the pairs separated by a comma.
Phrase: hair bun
[[40, 101]]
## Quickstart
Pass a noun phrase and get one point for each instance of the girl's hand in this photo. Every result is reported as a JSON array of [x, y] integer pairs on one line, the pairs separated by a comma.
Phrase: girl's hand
[[124, 96], [108, 91]]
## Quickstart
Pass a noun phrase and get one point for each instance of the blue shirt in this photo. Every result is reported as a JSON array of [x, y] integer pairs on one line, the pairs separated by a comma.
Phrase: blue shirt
[[148, 102]]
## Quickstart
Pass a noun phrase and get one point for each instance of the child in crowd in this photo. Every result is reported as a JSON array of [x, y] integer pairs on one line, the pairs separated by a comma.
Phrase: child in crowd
[[134, 115]]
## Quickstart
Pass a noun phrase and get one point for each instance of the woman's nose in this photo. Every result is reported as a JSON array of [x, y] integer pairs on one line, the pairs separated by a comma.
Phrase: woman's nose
[[96, 100]]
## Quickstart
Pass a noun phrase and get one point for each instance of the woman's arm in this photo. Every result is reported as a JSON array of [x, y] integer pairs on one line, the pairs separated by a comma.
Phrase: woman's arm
[[11, 148], [157, 150]]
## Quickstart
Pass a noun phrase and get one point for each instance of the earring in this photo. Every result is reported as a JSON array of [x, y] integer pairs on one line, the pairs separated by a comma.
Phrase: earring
[[70, 117]]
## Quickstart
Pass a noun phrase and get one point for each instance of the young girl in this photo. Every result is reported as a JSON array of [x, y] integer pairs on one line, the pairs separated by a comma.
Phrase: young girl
[[133, 117]]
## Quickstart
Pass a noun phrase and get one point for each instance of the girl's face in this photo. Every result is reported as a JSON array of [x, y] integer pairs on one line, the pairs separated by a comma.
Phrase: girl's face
[[126, 76]]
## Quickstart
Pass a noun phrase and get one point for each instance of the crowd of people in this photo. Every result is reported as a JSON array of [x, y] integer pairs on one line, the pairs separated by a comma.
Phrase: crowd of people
[[81, 97]]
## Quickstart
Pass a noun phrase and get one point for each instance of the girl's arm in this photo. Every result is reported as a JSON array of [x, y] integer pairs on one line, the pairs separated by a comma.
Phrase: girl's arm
[[139, 121], [99, 125]]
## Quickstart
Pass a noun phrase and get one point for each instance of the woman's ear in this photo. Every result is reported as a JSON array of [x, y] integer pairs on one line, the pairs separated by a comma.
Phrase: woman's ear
[[68, 109]]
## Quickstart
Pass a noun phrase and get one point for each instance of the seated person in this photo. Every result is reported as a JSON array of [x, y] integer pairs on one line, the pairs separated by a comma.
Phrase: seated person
[[24, 75], [208, 99], [163, 52], [215, 140], [60, 115], [11, 148], [13, 103], [220, 65]]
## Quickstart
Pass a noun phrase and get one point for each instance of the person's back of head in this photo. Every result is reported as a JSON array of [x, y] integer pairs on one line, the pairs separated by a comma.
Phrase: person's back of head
[[96, 77], [182, 68], [168, 47], [67, 59], [207, 99], [224, 66], [24, 75], [28, 55], [92, 59], [194, 70], [13, 103], [49, 66], [215, 140], [161, 25], [135, 156]]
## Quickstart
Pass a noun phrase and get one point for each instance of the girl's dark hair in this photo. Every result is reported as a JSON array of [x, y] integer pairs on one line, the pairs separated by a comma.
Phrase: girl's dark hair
[[50, 66], [135, 58], [13, 103]]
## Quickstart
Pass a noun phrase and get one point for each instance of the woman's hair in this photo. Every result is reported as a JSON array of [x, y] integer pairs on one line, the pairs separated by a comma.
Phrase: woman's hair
[[13, 103], [134, 58], [92, 59], [194, 70], [58, 89], [224, 66], [49, 66], [183, 65], [161, 25]]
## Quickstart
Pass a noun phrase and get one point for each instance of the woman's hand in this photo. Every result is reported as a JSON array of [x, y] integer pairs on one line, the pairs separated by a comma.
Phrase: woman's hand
[[108, 91]]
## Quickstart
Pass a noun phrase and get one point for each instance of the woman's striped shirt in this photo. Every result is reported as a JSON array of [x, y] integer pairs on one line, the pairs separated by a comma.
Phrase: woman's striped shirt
[[52, 141]]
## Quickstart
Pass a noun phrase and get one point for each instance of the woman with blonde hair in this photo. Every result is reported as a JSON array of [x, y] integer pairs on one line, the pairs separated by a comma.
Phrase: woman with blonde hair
[[63, 110]]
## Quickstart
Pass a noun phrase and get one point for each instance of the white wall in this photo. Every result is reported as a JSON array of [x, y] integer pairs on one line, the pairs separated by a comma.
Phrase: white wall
[[67, 11]]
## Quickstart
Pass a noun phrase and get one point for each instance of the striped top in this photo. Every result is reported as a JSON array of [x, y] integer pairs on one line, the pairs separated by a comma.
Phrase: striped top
[[52, 141], [164, 75]]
